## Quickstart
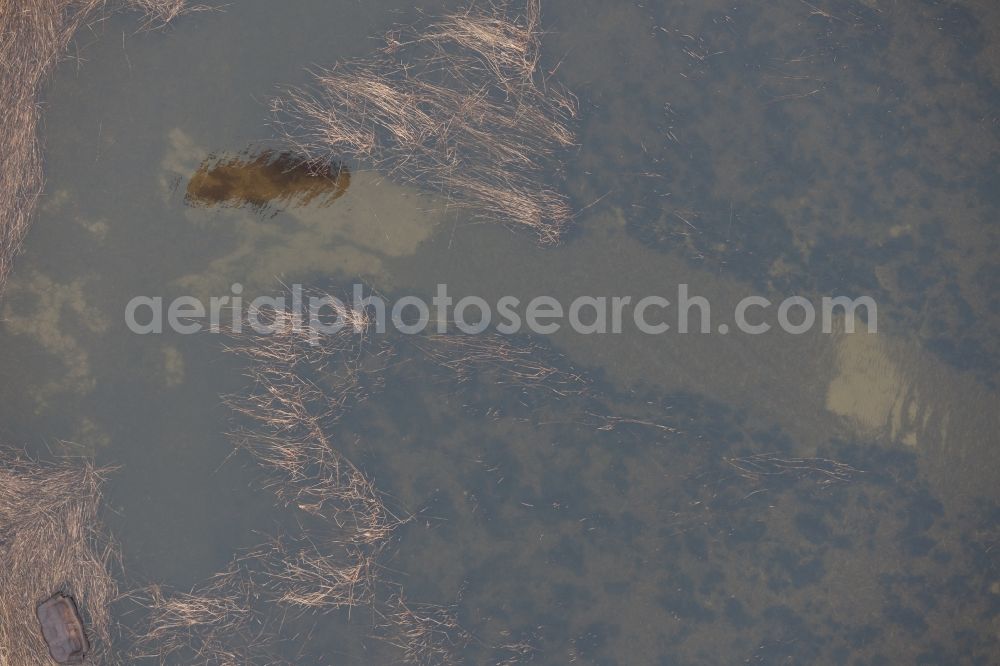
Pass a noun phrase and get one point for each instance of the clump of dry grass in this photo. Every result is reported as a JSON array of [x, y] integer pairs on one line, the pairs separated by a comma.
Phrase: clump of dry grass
[[310, 579], [162, 12], [198, 624], [51, 540], [214, 624], [823, 471], [458, 107], [428, 635], [35, 34]]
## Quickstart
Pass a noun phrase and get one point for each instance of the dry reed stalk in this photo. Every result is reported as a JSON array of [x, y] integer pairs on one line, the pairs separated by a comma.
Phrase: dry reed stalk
[[214, 624], [35, 33], [823, 471], [316, 581], [459, 108], [512, 364], [609, 422], [301, 386], [161, 12], [51, 540], [428, 635]]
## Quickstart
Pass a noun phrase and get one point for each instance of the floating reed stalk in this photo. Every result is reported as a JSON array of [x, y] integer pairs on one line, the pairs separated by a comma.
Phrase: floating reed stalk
[[823, 471], [428, 635], [519, 364]]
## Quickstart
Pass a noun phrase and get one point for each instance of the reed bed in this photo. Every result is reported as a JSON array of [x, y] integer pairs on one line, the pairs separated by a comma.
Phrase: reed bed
[[51, 540], [301, 386], [35, 35], [458, 107]]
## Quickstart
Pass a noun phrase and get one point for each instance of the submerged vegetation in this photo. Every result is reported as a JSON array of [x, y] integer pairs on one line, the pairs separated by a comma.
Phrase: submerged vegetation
[[266, 179], [458, 106]]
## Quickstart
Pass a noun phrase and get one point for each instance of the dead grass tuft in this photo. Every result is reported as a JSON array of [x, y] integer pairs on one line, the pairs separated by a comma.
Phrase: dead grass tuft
[[459, 107]]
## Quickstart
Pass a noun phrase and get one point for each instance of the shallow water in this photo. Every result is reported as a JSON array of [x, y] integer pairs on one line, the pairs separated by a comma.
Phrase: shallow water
[[814, 149]]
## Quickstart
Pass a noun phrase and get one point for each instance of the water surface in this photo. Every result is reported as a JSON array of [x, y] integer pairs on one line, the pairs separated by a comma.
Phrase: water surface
[[794, 148]]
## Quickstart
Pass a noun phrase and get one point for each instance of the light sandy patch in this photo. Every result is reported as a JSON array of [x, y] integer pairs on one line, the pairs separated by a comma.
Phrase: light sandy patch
[[374, 219], [893, 390], [868, 388]]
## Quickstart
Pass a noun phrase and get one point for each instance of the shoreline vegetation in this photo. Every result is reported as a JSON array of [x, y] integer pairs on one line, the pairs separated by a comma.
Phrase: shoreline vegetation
[[36, 34], [51, 540]]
